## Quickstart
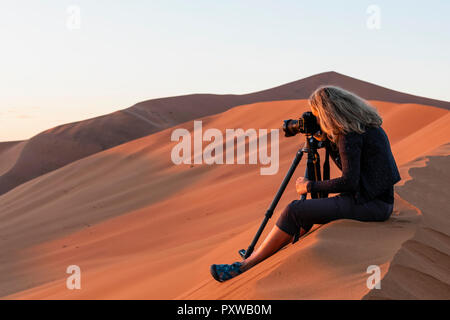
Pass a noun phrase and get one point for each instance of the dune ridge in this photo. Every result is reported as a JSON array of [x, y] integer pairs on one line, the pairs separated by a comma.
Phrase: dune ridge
[[9, 153], [62, 145], [421, 268], [140, 227]]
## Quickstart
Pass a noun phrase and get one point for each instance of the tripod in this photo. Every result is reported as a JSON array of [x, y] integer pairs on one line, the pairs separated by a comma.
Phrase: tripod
[[312, 173]]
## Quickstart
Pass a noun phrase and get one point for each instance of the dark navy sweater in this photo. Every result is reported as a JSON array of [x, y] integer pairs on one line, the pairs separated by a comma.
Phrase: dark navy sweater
[[368, 167]]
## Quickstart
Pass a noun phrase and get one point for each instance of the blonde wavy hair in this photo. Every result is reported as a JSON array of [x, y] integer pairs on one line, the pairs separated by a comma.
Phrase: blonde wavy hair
[[340, 111]]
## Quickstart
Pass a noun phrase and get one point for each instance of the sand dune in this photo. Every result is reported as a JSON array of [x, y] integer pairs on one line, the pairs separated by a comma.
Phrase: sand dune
[[64, 144], [9, 153], [421, 268], [141, 227], [4, 146]]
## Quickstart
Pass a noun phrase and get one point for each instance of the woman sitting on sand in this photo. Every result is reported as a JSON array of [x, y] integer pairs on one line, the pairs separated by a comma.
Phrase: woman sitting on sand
[[361, 149]]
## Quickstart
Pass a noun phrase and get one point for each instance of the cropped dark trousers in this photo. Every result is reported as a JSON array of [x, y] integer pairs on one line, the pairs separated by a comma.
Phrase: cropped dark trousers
[[304, 213]]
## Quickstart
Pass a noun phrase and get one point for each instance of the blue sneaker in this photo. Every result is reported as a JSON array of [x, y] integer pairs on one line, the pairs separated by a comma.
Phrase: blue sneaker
[[223, 272]]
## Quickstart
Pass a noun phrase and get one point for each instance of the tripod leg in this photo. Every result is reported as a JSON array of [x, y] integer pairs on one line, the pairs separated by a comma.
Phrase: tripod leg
[[312, 172], [298, 157], [303, 197]]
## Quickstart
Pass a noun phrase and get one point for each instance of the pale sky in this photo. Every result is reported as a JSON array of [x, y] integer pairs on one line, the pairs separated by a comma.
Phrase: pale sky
[[56, 68]]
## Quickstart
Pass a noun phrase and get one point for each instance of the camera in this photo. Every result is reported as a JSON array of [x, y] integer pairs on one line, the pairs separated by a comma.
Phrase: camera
[[307, 125]]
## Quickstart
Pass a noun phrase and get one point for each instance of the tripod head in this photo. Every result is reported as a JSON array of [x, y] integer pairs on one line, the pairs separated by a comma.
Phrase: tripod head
[[313, 142]]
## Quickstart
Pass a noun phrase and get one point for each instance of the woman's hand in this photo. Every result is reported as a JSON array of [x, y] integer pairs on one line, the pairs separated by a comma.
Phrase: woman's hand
[[301, 185]]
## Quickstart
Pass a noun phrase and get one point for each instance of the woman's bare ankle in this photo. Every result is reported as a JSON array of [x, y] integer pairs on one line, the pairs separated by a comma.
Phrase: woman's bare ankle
[[246, 264]]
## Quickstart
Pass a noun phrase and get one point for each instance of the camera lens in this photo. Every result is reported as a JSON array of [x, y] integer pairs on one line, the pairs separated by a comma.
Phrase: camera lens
[[291, 127], [307, 124]]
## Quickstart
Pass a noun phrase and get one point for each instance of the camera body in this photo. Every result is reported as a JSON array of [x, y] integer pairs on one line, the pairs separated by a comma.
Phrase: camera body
[[306, 124]]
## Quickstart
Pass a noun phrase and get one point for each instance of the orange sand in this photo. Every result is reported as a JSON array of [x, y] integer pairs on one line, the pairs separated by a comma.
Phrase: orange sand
[[142, 228]]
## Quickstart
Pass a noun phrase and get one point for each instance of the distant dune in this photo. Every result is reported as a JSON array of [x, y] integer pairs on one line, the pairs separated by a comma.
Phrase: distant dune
[[142, 228], [9, 153], [57, 147]]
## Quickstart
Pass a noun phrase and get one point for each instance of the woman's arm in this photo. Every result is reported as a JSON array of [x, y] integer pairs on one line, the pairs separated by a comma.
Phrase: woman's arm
[[350, 155]]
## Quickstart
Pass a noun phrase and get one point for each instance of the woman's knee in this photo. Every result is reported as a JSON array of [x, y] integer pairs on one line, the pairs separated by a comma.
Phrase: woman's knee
[[288, 220], [295, 209]]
